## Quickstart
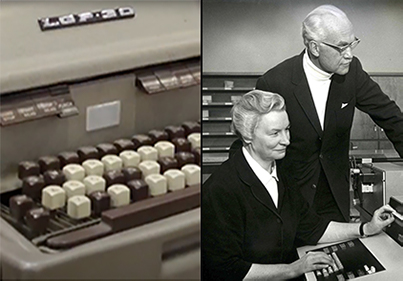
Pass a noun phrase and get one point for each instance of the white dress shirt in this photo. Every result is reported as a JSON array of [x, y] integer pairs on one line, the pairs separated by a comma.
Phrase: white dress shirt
[[319, 84], [269, 180]]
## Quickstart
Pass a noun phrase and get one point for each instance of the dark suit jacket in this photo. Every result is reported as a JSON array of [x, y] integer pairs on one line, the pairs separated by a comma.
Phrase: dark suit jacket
[[311, 148], [241, 225]]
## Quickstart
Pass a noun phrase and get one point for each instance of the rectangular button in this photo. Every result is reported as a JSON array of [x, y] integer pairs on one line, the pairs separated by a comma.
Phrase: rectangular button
[[8, 117], [18, 110], [184, 76], [150, 83], [195, 70], [167, 79]]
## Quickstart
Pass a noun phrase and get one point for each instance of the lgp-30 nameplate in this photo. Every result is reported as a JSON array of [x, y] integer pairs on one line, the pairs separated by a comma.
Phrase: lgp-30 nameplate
[[85, 18]]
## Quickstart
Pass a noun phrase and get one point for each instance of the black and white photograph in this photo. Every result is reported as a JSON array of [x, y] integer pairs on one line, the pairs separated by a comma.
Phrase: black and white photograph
[[302, 138]]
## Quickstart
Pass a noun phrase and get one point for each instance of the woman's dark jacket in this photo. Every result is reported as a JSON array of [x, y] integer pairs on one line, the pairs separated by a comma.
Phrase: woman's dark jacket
[[241, 225]]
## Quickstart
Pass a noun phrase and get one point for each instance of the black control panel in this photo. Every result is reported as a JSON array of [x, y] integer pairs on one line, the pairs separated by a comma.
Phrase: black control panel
[[351, 260]]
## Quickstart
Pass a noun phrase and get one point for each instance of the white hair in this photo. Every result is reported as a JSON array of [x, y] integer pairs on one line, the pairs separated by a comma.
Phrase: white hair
[[246, 113], [314, 26]]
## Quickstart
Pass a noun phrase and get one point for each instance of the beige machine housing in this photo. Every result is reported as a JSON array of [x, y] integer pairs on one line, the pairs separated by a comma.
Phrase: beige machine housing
[[98, 64]]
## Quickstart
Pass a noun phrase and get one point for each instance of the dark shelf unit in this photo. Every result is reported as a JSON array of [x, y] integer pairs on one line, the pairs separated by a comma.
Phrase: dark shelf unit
[[217, 104], [218, 89], [217, 119], [218, 100]]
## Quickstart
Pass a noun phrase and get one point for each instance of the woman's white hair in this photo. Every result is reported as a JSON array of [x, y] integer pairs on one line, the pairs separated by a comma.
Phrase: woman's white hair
[[314, 26], [246, 113]]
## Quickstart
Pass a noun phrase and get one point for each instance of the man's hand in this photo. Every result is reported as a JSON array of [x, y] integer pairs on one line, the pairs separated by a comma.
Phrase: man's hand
[[382, 218]]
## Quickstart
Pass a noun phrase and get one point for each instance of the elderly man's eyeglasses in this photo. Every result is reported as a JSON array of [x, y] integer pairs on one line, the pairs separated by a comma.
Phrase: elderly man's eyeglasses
[[342, 49]]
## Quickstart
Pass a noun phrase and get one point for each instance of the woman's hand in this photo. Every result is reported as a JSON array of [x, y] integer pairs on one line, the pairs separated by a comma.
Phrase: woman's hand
[[310, 262], [382, 218]]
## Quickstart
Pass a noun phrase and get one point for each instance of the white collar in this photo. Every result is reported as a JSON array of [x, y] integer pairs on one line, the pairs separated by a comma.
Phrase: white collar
[[263, 175], [313, 71]]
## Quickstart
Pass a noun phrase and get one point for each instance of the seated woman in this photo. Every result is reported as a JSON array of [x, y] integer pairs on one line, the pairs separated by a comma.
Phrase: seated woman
[[251, 222]]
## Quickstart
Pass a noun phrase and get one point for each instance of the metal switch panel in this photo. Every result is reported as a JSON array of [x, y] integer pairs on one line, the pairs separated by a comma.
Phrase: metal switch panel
[[169, 76], [35, 104]]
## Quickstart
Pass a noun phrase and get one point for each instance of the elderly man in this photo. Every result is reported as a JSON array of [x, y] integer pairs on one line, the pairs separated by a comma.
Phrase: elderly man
[[322, 86]]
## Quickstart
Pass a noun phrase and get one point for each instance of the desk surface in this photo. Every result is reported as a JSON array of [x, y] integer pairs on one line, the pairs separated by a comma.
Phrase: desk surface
[[384, 248]]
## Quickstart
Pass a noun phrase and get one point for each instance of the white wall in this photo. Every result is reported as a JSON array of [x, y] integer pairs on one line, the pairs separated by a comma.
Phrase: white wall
[[252, 36]]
